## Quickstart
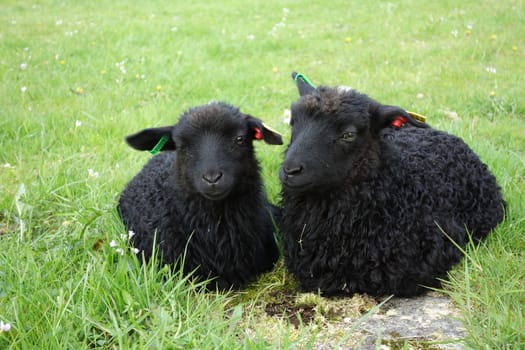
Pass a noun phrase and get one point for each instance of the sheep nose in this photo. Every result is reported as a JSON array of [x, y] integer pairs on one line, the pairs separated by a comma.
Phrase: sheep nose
[[293, 170], [212, 178]]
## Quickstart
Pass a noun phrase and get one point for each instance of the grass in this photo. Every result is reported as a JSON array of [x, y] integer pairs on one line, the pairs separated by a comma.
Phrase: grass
[[76, 77]]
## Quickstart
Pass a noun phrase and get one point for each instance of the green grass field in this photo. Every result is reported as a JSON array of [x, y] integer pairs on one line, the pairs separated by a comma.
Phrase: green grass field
[[77, 76]]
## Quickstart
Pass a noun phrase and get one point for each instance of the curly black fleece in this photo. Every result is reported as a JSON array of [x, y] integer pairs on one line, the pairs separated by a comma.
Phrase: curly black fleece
[[230, 240], [378, 229]]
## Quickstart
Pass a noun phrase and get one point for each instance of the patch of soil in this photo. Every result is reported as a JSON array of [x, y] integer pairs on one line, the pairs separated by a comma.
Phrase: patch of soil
[[297, 315], [7, 228]]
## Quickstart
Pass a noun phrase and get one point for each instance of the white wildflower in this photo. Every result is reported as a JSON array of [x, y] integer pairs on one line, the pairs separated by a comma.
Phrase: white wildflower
[[6, 165], [23, 88], [130, 234], [78, 123], [280, 24], [4, 327], [120, 66], [287, 116], [135, 250], [113, 244], [23, 66], [92, 173], [120, 251], [491, 70]]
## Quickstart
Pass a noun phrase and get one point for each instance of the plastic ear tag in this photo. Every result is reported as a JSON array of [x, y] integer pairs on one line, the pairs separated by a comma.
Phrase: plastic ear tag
[[418, 117], [304, 79], [159, 145], [398, 122], [258, 134], [272, 130]]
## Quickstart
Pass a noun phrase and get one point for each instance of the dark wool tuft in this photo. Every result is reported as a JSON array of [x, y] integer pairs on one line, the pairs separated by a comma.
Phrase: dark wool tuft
[[228, 239], [368, 215]]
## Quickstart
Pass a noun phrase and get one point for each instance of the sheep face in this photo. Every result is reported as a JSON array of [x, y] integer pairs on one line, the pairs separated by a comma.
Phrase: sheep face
[[211, 157], [214, 148], [334, 142]]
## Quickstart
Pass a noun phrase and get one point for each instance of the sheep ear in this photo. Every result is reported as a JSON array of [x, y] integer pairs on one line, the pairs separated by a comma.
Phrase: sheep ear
[[263, 132], [304, 85], [382, 116], [148, 139]]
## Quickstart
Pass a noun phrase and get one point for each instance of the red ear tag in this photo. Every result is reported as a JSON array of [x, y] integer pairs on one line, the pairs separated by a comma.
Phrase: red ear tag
[[258, 134], [398, 122]]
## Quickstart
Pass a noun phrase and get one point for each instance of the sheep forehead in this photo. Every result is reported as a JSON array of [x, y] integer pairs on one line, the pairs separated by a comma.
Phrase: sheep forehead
[[214, 117], [340, 105]]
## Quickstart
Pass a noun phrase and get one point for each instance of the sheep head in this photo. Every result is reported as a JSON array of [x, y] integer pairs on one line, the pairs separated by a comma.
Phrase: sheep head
[[213, 144], [335, 138]]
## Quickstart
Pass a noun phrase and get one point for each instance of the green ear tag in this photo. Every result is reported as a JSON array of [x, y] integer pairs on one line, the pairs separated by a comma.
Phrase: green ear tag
[[159, 145], [305, 79]]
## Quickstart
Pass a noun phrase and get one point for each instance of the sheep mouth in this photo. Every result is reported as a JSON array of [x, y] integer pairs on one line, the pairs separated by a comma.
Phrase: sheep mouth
[[297, 186], [215, 194]]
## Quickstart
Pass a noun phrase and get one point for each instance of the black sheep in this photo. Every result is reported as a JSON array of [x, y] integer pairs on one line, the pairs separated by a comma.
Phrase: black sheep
[[204, 203], [369, 191]]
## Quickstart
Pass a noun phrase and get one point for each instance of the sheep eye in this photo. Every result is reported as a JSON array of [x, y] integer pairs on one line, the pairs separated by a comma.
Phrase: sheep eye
[[348, 136], [239, 140]]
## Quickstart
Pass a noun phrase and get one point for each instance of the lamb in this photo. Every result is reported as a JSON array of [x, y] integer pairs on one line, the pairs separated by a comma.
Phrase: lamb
[[203, 205], [372, 197]]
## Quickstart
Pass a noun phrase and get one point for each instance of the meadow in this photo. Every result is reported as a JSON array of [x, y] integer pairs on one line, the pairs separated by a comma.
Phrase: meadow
[[77, 76]]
